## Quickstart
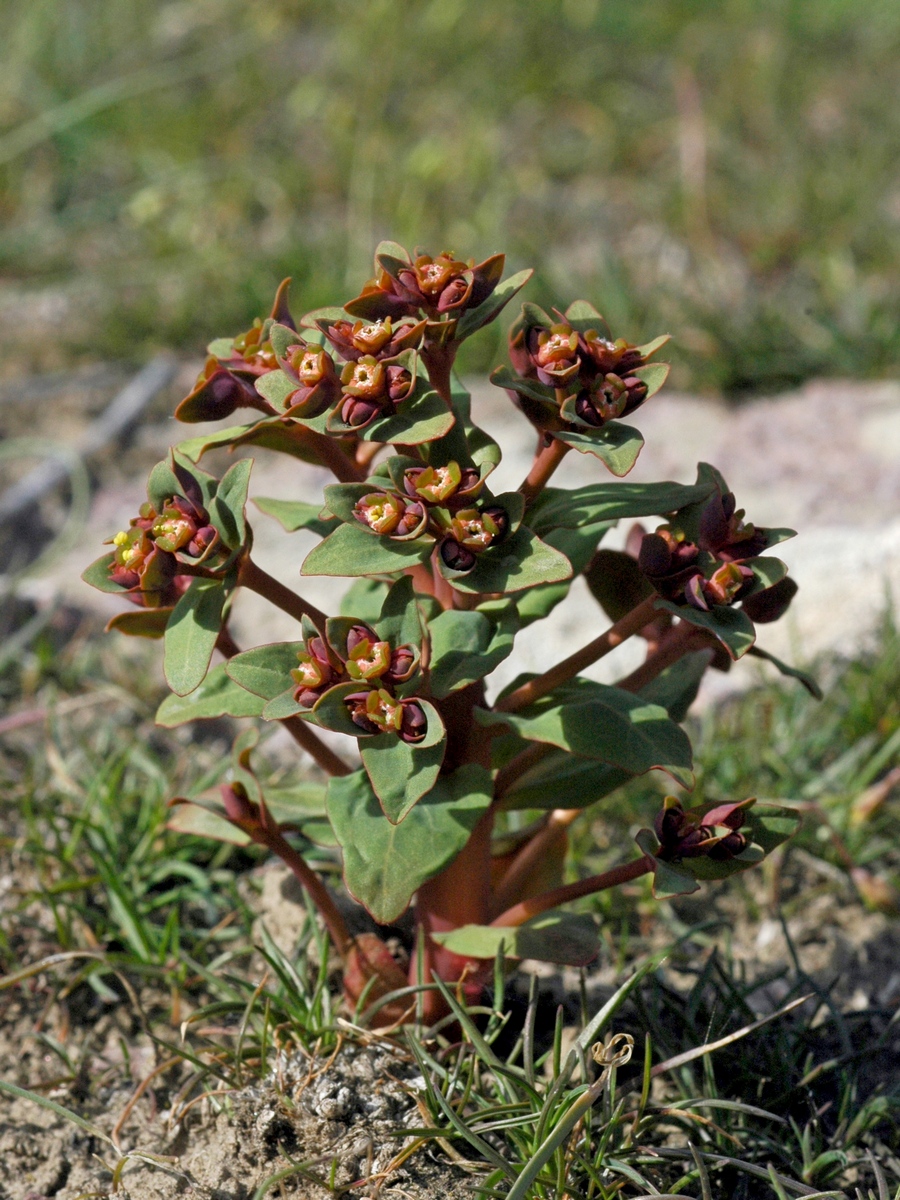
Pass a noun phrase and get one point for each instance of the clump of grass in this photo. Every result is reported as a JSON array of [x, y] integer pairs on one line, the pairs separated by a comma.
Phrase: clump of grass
[[725, 168]]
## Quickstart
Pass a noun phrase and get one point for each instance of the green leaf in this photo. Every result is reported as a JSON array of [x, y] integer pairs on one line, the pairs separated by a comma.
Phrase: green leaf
[[342, 498], [97, 575], [363, 600], [503, 377], [331, 712], [616, 445], [793, 672], [521, 561], [296, 514], [654, 375], [384, 864], [669, 879], [331, 314], [203, 822], [354, 550], [276, 387], [266, 670], [558, 937], [230, 501], [772, 824], [399, 621], [191, 634], [467, 646], [401, 774], [217, 696], [610, 502], [297, 804], [272, 434], [582, 316], [282, 706], [490, 309], [562, 780], [422, 418], [767, 570], [676, 687], [163, 484], [140, 622], [222, 347], [617, 583], [605, 723], [650, 348], [733, 628]]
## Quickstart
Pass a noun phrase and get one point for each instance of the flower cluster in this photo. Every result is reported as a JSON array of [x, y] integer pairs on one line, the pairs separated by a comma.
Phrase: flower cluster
[[378, 374], [437, 287], [570, 371], [145, 557], [712, 571], [718, 833], [441, 502], [364, 659]]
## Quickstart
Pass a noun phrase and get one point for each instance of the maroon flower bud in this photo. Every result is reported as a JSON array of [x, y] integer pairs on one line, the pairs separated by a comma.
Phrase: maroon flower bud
[[399, 383], [455, 294], [360, 633], [413, 722], [455, 556], [238, 806], [404, 661], [357, 412], [178, 524], [383, 297], [412, 521], [356, 706], [668, 561], [694, 834], [201, 541]]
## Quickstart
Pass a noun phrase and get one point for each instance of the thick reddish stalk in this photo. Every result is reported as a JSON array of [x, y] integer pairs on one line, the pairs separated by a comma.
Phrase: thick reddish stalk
[[542, 468], [257, 580], [526, 909], [677, 642], [623, 629], [529, 858], [319, 894], [309, 740], [331, 455]]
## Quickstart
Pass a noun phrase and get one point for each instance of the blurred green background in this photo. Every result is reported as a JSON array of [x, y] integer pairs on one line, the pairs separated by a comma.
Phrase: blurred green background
[[726, 170]]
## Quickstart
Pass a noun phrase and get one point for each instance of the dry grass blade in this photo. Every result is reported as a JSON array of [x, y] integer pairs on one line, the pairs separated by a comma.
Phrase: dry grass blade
[[679, 1060]]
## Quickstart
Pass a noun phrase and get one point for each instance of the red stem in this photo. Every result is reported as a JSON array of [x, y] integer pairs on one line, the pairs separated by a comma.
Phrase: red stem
[[309, 740], [526, 909], [257, 580], [542, 468], [319, 894], [674, 645], [623, 629]]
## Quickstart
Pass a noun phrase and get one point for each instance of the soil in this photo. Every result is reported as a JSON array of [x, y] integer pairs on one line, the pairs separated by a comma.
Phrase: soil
[[335, 1118]]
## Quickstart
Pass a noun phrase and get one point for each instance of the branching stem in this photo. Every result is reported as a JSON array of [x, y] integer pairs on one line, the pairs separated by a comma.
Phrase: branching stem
[[545, 463], [257, 580], [534, 905], [623, 629], [318, 892]]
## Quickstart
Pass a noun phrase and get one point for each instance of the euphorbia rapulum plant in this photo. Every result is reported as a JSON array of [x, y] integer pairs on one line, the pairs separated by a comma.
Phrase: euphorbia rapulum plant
[[447, 573]]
